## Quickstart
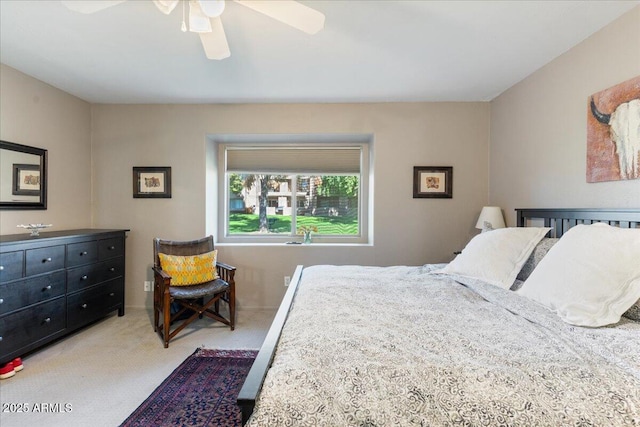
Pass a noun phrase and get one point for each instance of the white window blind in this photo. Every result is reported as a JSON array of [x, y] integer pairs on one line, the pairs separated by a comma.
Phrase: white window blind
[[308, 160]]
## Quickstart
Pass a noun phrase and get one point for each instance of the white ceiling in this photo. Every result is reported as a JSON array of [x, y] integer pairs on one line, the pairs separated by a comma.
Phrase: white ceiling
[[369, 51]]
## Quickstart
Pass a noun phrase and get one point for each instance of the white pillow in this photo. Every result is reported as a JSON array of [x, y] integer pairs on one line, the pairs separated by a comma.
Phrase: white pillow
[[496, 256], [590, 277]]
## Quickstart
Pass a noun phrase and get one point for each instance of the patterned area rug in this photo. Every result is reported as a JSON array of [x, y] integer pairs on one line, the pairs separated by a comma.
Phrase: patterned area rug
[[202, 391]]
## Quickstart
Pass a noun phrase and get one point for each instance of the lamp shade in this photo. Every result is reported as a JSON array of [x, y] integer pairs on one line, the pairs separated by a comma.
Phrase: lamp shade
[[490, 218]]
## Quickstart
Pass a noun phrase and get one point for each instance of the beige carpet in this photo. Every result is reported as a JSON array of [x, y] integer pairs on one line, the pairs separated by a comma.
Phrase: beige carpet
[[98, 376]]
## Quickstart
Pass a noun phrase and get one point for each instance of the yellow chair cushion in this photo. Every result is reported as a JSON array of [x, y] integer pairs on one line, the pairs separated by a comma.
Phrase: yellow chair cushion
[[190, 270]]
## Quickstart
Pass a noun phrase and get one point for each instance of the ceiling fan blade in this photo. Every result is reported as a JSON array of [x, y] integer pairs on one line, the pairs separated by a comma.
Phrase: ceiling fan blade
[[289, 12], [90, 6], [215, 43], [166, 6]]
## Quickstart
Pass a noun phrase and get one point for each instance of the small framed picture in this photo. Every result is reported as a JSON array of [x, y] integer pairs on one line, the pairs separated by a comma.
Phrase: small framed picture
[[151, 182], [433, 182], [26, 180]]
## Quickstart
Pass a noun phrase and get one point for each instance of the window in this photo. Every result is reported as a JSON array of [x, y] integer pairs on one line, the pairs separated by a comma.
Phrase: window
[[270, 190]]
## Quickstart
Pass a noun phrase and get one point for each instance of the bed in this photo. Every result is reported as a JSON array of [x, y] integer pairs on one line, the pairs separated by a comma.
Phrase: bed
[[459, 344]]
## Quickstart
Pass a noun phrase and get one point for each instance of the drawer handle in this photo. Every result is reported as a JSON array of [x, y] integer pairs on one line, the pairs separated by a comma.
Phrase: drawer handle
[[0, 339], [112, 294], [46, 288], [1, 300], [1, 267], [112, 269], [85, 277], [84, 305], [111, 248], [47, 260], [83, 253], [47, 320]]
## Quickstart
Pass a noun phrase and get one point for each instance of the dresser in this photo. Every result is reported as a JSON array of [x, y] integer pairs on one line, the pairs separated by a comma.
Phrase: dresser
[[56, 283]]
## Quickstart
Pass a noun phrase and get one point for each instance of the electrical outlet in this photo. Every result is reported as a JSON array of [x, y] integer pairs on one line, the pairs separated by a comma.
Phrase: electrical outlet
[[287, 280], [147, 286]]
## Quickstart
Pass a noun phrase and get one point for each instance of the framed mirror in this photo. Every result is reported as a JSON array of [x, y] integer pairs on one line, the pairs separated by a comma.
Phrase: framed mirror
[[23, 177]]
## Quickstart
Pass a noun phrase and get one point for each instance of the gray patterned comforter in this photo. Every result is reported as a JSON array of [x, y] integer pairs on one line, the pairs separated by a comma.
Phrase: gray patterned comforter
[[398, 346]]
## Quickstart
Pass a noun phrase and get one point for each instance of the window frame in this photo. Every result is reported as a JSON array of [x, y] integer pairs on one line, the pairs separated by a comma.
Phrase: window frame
[[365, 211]]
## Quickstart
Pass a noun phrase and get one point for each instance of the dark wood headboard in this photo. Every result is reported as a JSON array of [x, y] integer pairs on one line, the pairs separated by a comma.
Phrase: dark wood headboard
[[560, 220]]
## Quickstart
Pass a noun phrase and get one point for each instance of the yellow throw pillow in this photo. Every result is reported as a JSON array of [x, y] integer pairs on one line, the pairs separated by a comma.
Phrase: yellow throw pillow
[[190, 270]]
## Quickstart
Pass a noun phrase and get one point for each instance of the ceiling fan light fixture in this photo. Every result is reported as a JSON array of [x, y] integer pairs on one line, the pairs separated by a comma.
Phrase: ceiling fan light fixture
[[212, 8], [204, 17], [198, 21], [166, 6]]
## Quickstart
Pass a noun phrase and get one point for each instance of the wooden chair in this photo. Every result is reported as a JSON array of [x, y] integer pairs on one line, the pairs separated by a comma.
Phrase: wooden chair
[[197, 299]]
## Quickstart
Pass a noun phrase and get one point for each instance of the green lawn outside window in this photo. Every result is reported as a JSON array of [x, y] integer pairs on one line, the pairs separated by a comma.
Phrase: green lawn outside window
[[336, 226]]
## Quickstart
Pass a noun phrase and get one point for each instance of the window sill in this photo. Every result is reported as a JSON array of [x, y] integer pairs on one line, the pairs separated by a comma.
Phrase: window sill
[[310, 245]]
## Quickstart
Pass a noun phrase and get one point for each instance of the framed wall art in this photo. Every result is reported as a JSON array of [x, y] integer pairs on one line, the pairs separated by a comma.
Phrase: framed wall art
[[433, 182], [613, 134], [151, 182], [26, 180]]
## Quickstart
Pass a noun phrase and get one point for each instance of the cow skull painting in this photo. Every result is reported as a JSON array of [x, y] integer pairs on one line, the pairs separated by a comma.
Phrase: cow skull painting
[[613, 133]]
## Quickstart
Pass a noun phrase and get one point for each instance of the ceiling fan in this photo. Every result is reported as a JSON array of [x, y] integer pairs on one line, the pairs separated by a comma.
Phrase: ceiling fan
[[204, 17]]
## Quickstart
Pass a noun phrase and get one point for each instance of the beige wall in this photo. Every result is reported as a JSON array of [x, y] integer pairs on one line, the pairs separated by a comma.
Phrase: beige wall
[[36, 114], [406, 230], [538, 127], [101, 144]]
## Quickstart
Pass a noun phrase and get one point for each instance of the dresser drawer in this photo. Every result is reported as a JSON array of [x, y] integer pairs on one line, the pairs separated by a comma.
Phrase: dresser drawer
[[25, 327], [111, 269], [82, 253], [86, 276], [44, 260], [11, 264], [89, 305], [110, 248], [82, 277], [22, 293]]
